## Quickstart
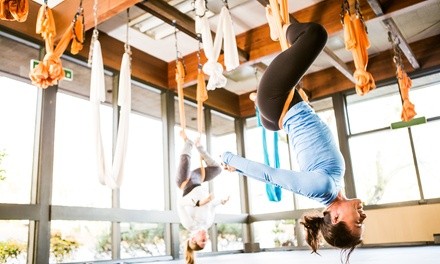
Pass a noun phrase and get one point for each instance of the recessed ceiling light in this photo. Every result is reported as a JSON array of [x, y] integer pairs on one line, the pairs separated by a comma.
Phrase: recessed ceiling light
[[50, 3]]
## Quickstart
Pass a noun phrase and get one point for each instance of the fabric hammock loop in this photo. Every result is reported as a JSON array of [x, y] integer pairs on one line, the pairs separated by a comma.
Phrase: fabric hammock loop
[[14, 10], [110, 171], [50, 70], [356, 40], [273, 192], [224, 34], [403, 81]]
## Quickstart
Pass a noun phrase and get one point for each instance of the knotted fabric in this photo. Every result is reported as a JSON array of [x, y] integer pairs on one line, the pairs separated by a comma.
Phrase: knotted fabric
[[50, 70], [405, 84], [356, 41], [224, 32], [14, 10]]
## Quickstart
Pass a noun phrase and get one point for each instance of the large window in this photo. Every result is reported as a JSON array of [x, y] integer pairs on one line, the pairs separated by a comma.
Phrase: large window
[[229, 235], [75, 180], [142, 187], [389, 164], [18, 105]]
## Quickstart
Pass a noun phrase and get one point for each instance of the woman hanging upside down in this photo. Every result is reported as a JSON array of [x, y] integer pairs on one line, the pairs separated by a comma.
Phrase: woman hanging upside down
[[196, 207], [321, 163]]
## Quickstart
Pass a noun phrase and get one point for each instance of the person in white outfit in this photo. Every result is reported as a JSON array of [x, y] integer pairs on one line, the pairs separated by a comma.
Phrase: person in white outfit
[[196, 207]]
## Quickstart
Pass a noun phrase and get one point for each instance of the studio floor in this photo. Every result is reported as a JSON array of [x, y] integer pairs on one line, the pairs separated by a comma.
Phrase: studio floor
[[388, 255]]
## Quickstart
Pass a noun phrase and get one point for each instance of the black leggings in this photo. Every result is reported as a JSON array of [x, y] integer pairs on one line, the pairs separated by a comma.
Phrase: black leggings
[[286, 70]]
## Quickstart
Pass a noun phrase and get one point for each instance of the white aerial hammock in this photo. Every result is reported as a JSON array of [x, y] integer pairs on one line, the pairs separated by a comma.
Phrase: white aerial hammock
[[110, 173], [225, 31]]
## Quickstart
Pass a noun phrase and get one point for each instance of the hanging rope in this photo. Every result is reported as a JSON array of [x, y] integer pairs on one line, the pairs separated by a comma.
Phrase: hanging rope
[[14, 10], [356, 41], [50, 70], [202, 93], [224, 32], [403, 81], [180, 79], [110, 173]]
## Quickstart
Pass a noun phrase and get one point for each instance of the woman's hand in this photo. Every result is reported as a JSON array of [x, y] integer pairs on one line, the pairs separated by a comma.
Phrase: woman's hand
[[228, 167], [225, 200], [207, 199]]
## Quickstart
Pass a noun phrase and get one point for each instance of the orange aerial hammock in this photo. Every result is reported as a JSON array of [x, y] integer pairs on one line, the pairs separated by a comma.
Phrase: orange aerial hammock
[[356, 41], [14, 10], [50, 70], [201, 96], [403, 81]]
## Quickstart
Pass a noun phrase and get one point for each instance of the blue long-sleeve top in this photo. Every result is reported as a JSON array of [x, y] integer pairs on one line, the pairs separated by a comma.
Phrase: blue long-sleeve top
[[321, 163]]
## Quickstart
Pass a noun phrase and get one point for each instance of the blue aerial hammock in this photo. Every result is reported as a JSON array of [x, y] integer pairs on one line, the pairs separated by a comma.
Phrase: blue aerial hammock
[[273, 192]]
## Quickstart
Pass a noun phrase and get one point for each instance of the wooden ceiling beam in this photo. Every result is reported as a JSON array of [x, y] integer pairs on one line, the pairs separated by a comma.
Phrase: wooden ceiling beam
[[64, 14]]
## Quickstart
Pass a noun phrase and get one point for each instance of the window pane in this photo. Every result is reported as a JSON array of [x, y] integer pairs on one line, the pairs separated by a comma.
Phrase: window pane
[[427, 146], [18, 105], [75, 181], [224, 139], [383, 167], [142, 240], [143, 183], [75, 241], [425, 99], [271, 234], [377, 109], [13, 241], [259, 198], [230, 237]]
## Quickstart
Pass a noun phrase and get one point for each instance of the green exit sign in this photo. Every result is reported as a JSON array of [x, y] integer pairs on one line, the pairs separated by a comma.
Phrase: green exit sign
[[68, 73]]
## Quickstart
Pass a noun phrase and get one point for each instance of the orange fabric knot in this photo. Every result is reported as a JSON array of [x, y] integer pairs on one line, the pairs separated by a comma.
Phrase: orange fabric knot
[[48, 72], [408, 111], [14, 10], [364, 81], [405, 84]]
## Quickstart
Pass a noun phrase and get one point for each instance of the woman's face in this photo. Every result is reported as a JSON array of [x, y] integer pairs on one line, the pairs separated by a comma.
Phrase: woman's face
[[200, 238], [352, 213]]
